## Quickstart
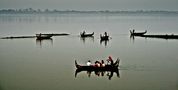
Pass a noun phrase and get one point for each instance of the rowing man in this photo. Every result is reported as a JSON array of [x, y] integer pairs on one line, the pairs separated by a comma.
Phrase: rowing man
[[110, 60]]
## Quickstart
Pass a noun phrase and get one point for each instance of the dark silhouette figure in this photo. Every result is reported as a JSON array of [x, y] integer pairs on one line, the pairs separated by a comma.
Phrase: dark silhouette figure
[[110, 60], [105, 34]]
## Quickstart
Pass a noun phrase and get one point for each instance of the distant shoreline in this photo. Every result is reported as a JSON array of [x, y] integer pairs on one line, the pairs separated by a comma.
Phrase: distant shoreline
[[47, 11]]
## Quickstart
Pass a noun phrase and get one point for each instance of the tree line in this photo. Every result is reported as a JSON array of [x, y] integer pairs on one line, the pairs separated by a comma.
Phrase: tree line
[[31, 10]]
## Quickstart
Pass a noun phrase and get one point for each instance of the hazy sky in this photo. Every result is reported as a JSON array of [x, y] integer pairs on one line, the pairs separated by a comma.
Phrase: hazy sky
[[92, 4]]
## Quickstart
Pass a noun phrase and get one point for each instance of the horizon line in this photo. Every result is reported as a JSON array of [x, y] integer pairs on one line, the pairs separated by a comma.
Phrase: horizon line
[[55, 11], [31, 9]]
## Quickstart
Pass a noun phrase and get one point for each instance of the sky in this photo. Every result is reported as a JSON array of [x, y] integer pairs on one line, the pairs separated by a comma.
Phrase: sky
[[169, 5]]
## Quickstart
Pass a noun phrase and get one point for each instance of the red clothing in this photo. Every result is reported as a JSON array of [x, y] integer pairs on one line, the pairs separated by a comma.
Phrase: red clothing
[[110, 59]]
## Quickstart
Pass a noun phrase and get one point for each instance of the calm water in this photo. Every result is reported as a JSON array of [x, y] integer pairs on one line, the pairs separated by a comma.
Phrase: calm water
[[146, 63]]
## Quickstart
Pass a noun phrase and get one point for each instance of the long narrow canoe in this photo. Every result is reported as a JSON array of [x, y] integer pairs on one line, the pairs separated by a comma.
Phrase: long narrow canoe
[[137, 33], [95, 68], [43, 36], [108, 68], [86, 35]]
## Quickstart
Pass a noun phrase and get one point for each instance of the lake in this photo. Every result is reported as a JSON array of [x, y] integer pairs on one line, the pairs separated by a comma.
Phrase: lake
[[30, 64]]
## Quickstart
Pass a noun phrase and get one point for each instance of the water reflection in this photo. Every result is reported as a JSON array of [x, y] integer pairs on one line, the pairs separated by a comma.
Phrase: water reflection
[[83, 39], [132, 38], [105, 42], [29, 18], [101, 73], [42, 41]]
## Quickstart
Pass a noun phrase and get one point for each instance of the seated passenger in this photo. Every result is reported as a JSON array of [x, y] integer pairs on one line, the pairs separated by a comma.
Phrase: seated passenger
[[83, 33], [97, 64], [110, 60], [102, 63], [105, 34], [89, 63]]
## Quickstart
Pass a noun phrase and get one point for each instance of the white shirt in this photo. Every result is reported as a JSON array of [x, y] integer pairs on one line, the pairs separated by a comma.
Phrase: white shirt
[[88, 63]]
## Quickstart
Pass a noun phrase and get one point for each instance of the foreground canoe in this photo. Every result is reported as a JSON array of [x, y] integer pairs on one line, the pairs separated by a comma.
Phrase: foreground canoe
[[108, 68], [86, 35], [94, 68]]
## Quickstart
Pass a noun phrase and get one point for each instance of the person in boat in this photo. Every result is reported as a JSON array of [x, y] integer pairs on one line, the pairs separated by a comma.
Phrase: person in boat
[[102, 63], [105, 34], [40, 35], [89, 63], [83, 33], [97, 64], [133, 31], [110, 60]]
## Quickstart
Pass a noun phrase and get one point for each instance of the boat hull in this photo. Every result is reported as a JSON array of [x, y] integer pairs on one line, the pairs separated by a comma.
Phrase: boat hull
[[137, 33], [104, 38], [87, 35], [107, 68], [43, 36], [95, 68]]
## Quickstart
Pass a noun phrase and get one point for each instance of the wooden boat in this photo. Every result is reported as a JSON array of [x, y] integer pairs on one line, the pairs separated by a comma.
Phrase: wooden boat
[[104, 38], [86, 35], [133, 33], [43, 36], [107, 68], [95, 68]]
